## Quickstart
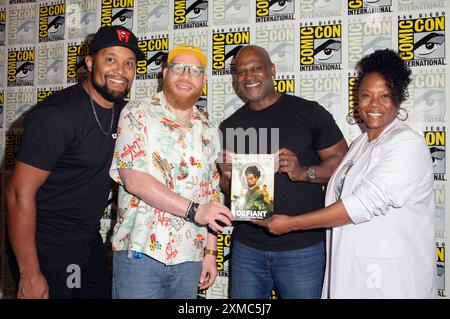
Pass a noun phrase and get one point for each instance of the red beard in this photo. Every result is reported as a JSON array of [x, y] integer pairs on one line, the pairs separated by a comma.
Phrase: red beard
[[181, 101]]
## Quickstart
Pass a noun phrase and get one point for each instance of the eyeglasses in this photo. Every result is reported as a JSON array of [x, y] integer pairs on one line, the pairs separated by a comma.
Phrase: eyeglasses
[[179, 68]]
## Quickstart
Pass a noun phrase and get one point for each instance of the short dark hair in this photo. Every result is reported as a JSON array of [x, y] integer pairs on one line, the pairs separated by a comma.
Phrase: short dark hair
[[253, 170], [389, 64]]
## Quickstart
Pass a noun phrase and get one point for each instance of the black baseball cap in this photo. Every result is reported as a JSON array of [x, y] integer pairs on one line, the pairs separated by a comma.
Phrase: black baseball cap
[[114, 35]]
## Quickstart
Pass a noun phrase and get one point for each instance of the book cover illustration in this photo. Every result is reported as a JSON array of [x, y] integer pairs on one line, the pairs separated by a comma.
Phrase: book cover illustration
[[252, 186]]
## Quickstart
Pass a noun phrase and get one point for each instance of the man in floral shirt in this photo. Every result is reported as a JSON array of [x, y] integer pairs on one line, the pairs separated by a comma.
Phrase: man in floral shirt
[[164, 161]]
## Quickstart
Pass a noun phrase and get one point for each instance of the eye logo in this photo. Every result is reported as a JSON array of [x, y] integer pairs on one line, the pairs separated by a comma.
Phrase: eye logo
[[21, 68], [196, 11], [118, 13], [156, 52], [327, 51], [320, 47], [429, 46], [123, 35], [225, 47], [436, 143], [190, 14], [122, 17], [421, 42], [274, 10], [51, 22], [25, 71]]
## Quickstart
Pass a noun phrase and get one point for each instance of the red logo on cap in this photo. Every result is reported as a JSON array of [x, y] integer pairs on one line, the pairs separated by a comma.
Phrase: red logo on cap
[[124, 36]]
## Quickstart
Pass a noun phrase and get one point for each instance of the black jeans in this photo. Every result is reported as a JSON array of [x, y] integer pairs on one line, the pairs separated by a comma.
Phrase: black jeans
[[76, 271]]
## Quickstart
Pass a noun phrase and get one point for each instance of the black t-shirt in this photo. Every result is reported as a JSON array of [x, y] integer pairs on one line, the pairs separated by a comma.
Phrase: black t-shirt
[[62, 136], [304, 127]]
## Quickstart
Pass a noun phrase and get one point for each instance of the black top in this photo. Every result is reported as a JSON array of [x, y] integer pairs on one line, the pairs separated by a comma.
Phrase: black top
[[61, 135], [304, 127]]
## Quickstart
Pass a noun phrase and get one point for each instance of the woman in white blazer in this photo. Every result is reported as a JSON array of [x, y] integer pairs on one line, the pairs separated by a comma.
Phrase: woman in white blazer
[[379, 201]]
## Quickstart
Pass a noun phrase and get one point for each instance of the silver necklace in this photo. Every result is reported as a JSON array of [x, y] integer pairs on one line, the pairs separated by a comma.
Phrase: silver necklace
[[98, 122]]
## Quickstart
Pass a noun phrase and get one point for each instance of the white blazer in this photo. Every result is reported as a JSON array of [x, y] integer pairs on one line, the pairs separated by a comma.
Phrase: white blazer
[[390, 250]]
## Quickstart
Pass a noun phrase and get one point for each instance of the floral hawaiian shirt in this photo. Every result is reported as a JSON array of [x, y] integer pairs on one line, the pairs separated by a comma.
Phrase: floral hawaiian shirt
[[149, 139]]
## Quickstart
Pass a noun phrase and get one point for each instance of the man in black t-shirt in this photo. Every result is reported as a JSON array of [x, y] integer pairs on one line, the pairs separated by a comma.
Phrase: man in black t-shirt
[[60, 184], [308, 147]]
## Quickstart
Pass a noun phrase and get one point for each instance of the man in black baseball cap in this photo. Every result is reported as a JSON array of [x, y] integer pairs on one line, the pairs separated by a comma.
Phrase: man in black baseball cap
[[108, 36], [59, 189]]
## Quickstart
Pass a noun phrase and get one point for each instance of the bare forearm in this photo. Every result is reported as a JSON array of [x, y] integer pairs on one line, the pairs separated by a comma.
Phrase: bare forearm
[[211, 241], [153, 192], [22, 232], [325, 169], [331, 216]]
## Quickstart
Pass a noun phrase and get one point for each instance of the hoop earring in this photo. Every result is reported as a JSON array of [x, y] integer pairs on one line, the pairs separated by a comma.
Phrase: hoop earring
[[402, 114], [350, 119]]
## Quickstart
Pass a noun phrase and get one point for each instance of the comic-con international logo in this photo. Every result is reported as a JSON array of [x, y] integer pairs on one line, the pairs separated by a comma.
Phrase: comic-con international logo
[[435, 138], [152, 16], [230, 12], [195, 37], [224, 101], [368, 6], [2, 25], [190, 14], [279, 42], [321, 47], [225, 45], [18, 102], [421, 42], [50, 65], [21, 67], [274, 10], [51, 22], [81, 18], [76, 69], [117, 12], [440, 263], [155, 50], [364, 37], [325, 89], [426, 100], [21, 24]]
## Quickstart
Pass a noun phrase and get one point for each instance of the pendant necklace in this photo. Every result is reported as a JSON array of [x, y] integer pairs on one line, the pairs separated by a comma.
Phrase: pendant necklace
[[98, 122]]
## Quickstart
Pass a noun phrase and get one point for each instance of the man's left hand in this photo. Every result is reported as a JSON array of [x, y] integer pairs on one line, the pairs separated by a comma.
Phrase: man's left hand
[[209, 271], [288, 163]]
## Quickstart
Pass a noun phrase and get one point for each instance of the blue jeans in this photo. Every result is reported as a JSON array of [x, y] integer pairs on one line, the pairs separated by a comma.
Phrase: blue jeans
[[137, 276], [296, 274]]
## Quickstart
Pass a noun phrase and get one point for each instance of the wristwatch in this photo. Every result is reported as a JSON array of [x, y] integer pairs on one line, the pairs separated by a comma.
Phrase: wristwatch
[[191, 211], [310, 172]]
